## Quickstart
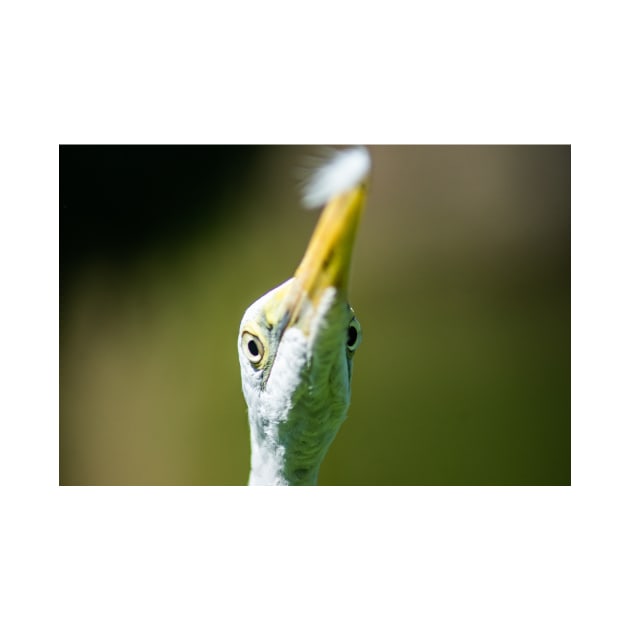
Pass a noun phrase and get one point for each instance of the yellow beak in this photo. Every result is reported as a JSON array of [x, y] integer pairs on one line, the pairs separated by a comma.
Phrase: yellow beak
[[326, 262]]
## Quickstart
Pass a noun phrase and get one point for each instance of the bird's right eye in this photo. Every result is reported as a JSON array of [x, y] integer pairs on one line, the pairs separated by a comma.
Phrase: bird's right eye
[[354, 335], [253, 348]]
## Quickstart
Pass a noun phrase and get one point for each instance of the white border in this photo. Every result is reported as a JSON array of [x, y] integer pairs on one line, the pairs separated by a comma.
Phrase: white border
[[328, 73]]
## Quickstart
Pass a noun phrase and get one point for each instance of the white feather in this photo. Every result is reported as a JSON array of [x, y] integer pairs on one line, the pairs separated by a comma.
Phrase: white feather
[[346, 169]]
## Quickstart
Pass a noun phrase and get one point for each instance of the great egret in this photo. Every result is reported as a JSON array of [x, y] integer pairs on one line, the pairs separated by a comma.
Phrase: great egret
[[296, 343]]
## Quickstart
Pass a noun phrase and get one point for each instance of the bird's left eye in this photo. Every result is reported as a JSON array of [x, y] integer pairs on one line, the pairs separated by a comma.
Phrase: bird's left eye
[[354, 335], [253, 348]]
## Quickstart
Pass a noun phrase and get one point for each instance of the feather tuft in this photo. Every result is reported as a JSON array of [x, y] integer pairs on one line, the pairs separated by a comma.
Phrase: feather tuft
[[346, 169]]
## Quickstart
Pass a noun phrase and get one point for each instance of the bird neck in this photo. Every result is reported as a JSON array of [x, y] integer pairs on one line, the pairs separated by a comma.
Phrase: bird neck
[[295, 417], [272, 465]]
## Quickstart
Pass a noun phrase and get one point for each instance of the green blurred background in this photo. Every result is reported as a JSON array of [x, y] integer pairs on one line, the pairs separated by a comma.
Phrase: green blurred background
[[461, 281]]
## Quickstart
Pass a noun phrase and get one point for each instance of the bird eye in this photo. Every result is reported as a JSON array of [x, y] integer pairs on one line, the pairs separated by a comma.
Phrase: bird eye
[[253, 348], [354, 335]]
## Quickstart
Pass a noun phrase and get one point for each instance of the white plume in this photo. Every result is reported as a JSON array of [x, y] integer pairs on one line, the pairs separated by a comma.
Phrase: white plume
[[343, 171]]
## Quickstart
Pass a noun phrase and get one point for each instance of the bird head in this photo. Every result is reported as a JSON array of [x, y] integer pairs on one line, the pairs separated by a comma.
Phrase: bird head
[[296, 343]]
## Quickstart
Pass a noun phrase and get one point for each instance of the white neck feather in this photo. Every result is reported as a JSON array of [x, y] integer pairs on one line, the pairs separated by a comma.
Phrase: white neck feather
[[270, 467]]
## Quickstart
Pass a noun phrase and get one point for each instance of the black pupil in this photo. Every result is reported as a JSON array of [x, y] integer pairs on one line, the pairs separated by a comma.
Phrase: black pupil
[[352, 335], [253, 348]]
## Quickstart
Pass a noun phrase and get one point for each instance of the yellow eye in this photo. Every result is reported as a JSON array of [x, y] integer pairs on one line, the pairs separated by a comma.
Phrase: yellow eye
[[253, 348]]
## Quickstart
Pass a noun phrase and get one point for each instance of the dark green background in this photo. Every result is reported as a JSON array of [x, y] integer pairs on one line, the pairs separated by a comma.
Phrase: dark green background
[[461, 281]]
